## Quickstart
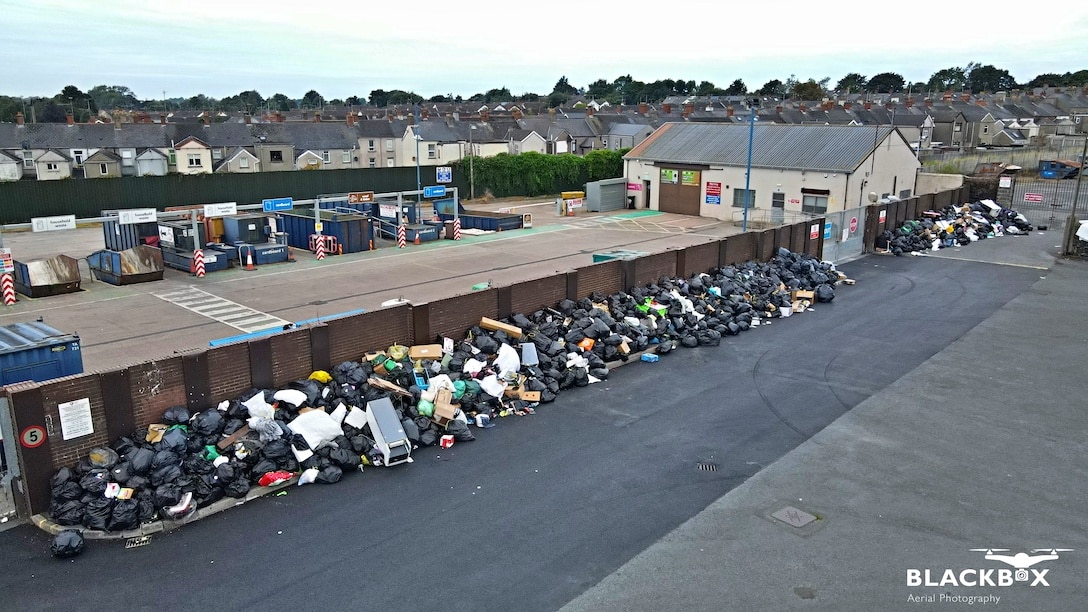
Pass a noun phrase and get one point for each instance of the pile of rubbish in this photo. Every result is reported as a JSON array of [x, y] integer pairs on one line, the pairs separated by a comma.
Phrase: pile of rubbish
[[951, 227], [376, 411]]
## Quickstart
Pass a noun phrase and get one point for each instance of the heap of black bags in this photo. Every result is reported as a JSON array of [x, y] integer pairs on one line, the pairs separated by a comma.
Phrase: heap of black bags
[[307, 429], [951, 227]]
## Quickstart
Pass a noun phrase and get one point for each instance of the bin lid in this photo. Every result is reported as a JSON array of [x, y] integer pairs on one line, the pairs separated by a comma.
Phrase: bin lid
[[21, 336]]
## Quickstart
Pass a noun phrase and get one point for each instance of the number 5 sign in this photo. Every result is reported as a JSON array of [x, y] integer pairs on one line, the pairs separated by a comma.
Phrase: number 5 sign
[[33, 436]]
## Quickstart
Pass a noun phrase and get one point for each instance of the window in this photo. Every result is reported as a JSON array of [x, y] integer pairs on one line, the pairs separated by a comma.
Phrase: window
[[28, 159], [432, 151], [52, 167], [195, 161], [217, 154], [738, 198], [373, 163], [276, 157], [326, 157], [985, 129], [77, 154], [389, 163], [388, 144], [102, 169], [957, 127], [814, 204], [345, 157], [243, 162], [370, 145], [778, 200], [173, 156]]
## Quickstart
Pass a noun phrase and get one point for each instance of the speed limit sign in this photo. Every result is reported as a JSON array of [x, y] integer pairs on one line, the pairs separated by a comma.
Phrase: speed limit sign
[[33, 436]]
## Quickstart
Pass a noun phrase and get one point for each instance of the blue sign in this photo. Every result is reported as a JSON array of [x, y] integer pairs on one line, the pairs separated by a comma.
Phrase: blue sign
[[827, 230], [277, 204], [434, 191], [443, 174], [714, 199]]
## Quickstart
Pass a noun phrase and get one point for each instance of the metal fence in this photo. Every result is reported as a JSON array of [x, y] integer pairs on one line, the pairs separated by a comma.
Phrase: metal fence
[[1044, 202], [844, 234]]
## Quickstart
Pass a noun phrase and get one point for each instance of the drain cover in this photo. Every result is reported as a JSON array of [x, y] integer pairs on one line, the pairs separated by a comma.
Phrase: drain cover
[[708, 467], [793, 517]]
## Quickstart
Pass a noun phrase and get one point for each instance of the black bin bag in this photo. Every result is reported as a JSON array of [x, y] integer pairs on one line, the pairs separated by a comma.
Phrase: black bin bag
[[66, 544]]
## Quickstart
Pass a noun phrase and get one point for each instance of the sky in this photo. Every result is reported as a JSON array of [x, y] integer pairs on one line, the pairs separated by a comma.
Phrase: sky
[[437, 48]]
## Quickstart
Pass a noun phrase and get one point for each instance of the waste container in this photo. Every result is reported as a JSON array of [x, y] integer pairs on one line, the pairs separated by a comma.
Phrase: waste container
[[447, 230]]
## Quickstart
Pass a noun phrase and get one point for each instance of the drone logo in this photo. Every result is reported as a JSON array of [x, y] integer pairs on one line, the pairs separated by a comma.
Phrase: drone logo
[[1022, 561]]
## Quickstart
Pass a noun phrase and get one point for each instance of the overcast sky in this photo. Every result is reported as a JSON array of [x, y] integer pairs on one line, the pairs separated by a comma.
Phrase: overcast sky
[[350, 48]]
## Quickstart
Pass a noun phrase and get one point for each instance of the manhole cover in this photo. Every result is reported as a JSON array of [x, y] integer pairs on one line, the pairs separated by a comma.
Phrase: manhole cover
[[793, 517], [708, 467]]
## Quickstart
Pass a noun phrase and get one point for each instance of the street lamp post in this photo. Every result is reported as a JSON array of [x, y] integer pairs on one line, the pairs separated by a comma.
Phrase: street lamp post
[[419, 183], [471, 164], [748, 167], [1069, 244]]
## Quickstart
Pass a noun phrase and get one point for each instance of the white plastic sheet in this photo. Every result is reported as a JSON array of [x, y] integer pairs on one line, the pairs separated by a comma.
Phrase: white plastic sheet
[[507, 360], [317, 427]]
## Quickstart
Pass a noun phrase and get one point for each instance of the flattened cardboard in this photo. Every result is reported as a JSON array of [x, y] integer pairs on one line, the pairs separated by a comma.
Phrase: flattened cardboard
[[493, 325], [425, 351], [385, 385], [234, 437]]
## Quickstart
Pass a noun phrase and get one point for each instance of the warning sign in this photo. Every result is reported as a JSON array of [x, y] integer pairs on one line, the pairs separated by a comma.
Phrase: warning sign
[[33, 436], [5, 258]]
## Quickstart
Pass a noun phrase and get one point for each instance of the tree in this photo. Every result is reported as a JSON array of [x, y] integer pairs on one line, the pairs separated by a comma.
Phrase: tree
[[852, 82], [279, 102], [1046, 79], [564, 87], [600, 89], [557, 99], [113, 97], [954, 79], [809, 90], [774, 88], [53, 113], [526, 97], [1076, 79], [354, 101], [497, 95], [200, 102], [988, 78], [736, 88], [886, 82], [312, 99], [8, 107], [379, 98]]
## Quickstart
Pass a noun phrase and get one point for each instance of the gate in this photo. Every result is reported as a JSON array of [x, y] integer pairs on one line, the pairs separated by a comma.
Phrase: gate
[[847, 238], [1044, 202], [9, 462]]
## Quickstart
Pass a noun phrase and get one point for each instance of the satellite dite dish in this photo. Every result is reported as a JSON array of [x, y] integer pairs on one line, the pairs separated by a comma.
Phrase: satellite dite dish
[[872, 196]]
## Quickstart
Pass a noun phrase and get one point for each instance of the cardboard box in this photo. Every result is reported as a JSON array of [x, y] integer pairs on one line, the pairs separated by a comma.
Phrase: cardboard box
[[444, 408], [370, 357], [493, 325], [800, 294], [425, 351], [529, 396]]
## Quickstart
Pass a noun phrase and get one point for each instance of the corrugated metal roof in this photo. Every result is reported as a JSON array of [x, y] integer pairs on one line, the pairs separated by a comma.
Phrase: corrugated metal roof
[[21, 336], [809, 147]]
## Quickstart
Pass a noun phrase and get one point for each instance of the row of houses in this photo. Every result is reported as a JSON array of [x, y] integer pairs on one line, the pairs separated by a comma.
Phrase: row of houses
[[437, 134]]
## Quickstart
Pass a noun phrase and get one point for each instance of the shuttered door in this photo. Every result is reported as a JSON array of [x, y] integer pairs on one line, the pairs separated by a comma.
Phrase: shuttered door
[[606, 195], [675, 197]]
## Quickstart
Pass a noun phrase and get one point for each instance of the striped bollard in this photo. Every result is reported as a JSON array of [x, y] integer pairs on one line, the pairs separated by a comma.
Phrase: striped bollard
[[320, 248], [457, 229], [401, 240], [198, 263], [8, 285]]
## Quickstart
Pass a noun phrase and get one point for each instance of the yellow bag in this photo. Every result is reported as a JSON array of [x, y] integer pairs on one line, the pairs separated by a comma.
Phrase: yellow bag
[[398, 352], [321, 376]]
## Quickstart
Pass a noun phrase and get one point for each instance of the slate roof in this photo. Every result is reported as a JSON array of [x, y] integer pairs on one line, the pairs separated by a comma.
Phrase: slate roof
[[103, 155], [810, 147]]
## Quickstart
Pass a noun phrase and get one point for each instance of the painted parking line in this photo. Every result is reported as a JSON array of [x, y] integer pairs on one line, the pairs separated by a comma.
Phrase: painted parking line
[[224, 311]]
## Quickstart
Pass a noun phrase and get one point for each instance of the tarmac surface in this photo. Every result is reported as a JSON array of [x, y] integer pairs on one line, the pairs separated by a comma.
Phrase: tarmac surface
[[932, 408]]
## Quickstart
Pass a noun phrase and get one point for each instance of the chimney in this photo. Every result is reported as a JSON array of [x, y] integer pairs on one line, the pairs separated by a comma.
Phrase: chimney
[[516, 114], [69, 118], [423, 113], [162, 118], [643, 108], [351, 119], [411, 118], [207, 118], [589, 111], [389, 116], [484, 115], [980, 102], [551, 114], [827, 105], [803, 108], [449, 119], [966, 97], [19, 118], [910, 102], [317, 117], [778, 109], [667, 108], [689, 108], [729, 111], [868, 105], [889, 105], [929, 102], [247, 118], [847, 105]]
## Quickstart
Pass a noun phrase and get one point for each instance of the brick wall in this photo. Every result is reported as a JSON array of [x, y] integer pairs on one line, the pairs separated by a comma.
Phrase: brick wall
[[154, 387], [699, 259], [651, 268], [291, 356], [454, 316], [764, 245], [65, 390], [740, 248], [350, 337], [530, 296], [228, 371], [800, 236], [605, 277]]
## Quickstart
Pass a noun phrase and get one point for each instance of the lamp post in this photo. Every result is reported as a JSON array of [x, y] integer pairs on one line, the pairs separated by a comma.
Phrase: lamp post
[[748, 168], [471, 164], [1069, 243], [419, 183]]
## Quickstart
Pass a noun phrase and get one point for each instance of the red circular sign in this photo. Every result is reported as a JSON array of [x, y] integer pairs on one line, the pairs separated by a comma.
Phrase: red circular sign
[[33, 436], [853, 224]]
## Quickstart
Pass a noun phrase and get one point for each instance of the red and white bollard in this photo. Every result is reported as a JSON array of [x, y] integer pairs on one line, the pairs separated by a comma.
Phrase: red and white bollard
[[8, 285], [198, 263], [320, 248], [401, 240], [457, 229]]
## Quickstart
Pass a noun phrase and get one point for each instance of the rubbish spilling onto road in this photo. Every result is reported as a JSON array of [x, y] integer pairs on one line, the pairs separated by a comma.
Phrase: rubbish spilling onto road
[[952, 227], [377, 411]]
